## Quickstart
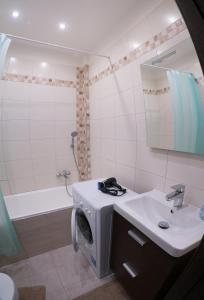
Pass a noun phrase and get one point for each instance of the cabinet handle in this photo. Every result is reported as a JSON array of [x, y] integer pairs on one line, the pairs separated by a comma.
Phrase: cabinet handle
[[136, 237], [130, 270]]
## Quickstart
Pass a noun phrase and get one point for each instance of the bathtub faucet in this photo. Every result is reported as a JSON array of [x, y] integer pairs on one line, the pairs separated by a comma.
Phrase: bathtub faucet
[[64, 174]]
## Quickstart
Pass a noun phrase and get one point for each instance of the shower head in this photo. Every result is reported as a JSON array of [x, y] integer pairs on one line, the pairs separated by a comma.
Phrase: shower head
[[74, 134]]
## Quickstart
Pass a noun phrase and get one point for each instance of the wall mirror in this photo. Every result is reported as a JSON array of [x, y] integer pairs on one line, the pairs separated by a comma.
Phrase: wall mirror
[[173, 87]]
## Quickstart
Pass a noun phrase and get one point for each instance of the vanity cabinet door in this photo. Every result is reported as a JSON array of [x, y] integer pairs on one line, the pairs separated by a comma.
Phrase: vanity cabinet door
[[144, 269]]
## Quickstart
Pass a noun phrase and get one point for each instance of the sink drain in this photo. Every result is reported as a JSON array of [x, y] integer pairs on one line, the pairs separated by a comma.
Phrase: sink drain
[[163, 225]]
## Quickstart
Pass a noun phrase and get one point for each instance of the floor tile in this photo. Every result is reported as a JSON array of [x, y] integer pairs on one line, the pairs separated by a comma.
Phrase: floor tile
[[20, 272], [111, 291], [54, 287], [41, 263], [75, 272], [65, 274]]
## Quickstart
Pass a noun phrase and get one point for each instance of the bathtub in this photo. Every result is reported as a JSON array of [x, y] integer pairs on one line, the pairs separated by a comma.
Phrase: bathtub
[[38, 202], [42, 220]]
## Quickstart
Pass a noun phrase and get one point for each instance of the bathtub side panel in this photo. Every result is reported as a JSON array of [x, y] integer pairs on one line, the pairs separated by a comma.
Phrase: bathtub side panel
[[42, 233]]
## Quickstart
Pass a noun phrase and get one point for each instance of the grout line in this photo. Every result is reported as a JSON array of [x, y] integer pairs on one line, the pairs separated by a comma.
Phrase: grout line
[[58, 274], [166, 169]]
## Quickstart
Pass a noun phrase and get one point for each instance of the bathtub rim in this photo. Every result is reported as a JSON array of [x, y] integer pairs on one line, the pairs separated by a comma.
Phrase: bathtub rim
[[37, 191], [69, 205]]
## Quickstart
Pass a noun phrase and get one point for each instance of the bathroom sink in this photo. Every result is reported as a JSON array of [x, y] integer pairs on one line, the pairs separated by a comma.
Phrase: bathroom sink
[[183, 228]]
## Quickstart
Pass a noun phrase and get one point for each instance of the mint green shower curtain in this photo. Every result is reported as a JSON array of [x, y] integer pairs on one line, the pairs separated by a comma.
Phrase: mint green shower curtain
[[4, 44], [9, 244], [188, 113]]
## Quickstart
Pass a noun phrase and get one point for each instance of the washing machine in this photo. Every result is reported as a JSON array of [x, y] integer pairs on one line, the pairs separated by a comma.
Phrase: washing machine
[[92, 223]]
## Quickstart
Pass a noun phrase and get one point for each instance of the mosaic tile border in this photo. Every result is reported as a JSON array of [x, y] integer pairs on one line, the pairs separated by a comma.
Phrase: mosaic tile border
[[165, 90], [157, 40], [38, 80], [83, 123], [156, 92]]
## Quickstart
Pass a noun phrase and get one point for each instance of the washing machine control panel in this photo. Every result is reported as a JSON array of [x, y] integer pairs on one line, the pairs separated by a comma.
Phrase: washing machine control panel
[[78, 203], [87, 210]]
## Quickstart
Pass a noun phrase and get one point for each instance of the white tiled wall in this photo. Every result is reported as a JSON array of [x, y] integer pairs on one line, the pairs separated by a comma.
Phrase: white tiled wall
[[118, 133], [36, 122]]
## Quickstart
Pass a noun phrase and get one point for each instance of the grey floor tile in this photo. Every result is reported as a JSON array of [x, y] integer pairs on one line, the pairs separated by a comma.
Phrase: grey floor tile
[[42, 262], [102, 281], [75, 272], [20, 272], [110, 291], [80, 288], [65, 274], [44, 272], [62, 255], [51, 280]]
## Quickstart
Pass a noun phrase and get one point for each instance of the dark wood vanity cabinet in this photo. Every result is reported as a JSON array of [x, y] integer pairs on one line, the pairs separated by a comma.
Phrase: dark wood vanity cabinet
[[143, 268]]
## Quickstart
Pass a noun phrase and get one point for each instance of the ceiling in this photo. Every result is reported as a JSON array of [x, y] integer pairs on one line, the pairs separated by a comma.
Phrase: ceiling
[[89, 21]]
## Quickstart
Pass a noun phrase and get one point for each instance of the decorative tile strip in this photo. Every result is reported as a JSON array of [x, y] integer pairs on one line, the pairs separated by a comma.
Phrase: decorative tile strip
[[165, 90], [38, 80], [156, 92], [83, 123], [157, 40]]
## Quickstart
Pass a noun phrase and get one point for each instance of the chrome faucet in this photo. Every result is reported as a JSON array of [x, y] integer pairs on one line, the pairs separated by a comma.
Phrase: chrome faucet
[[177, 195], [64, 174]]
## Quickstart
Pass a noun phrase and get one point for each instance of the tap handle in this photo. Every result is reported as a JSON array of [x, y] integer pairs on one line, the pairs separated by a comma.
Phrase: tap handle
[[179, 188]]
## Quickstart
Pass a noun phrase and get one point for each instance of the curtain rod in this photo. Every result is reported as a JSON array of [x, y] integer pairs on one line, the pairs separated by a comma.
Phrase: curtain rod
[[55, 45]]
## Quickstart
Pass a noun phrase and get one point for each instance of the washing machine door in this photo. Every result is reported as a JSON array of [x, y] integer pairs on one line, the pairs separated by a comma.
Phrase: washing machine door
[[83, 226], [74, 230]]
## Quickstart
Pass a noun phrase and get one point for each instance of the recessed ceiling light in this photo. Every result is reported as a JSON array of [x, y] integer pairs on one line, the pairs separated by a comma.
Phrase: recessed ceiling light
[[15, 14], [12, 59], [62, 26], [172, 19], [43, 64], [135, 45]]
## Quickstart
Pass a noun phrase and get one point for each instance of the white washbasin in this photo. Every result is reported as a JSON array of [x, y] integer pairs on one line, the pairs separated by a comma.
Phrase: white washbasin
[[146, 210]]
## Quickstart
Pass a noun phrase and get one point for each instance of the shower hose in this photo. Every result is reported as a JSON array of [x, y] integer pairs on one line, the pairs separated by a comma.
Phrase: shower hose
[[66, 178]]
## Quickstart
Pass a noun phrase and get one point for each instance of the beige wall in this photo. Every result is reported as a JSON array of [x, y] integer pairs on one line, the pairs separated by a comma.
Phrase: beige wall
[[36, 121], [118, 135]]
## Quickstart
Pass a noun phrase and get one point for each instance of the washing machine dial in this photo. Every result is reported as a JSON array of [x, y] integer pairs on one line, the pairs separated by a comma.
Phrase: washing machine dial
[[81, 204]]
